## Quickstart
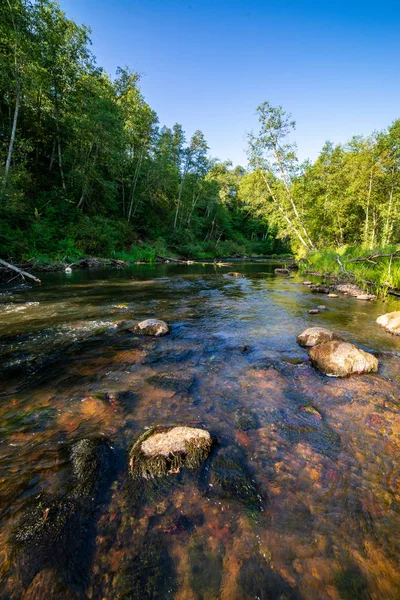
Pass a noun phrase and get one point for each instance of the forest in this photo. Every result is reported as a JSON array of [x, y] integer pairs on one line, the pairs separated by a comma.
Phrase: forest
[[87, 168]]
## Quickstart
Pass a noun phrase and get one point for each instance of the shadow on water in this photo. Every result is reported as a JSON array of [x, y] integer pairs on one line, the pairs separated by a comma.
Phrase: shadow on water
[[299, 497]]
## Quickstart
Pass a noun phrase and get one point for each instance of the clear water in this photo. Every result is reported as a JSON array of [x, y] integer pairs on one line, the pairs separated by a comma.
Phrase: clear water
[[328, 479]]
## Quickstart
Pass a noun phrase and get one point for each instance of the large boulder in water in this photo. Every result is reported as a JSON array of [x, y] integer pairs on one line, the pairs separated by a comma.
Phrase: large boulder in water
[[316, 335], [338, 358], [153, 327], [165, 450], [390, 322]]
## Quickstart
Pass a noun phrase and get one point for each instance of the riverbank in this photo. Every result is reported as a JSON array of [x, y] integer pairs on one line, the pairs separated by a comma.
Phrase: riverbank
[[90, 262], [375, 270]]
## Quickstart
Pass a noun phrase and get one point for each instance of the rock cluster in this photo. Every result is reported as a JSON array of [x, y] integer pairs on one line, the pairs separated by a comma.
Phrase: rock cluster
[[334, 356]]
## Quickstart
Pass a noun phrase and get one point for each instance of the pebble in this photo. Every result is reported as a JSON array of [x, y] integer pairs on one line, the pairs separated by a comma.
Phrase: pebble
[[313, 311], [333, 295]]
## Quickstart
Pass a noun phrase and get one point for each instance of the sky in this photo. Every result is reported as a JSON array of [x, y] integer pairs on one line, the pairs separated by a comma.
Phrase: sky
[[208, 64]]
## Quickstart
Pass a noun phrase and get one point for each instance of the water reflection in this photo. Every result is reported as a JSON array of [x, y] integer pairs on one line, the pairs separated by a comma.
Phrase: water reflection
[[300, 498]]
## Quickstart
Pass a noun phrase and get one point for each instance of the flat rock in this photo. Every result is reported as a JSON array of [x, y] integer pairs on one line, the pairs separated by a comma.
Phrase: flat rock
[[313, 311], [390, 322], [153, 327], [331, 295], [338, 358], [164, 451], [366, 297], [316, 335], [307, 282]]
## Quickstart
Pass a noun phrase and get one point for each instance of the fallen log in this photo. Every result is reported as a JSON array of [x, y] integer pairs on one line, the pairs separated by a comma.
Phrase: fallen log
[[21, 273]]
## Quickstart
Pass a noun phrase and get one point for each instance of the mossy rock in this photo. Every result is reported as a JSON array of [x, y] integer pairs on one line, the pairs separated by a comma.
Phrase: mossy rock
[[91, 460], [166, 450]]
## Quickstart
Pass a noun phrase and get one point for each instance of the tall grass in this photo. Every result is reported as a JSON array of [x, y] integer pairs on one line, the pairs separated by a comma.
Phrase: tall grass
[[379, 277]]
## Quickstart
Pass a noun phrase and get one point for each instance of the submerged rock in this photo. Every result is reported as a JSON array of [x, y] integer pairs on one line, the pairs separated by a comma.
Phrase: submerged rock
[[230, 479], [316, 335], [163, 451], [57, 532], [390, 322], [150, 575], [234, 274], [282, 271], [153, 327], [338, 358]]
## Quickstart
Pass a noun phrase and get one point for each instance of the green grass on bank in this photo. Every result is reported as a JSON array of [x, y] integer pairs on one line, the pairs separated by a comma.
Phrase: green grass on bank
[[379, 277]]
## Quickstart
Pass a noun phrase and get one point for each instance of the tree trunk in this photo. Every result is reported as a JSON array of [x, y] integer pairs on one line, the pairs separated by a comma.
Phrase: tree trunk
[[283, 212], [386, 236], [12, 139], [291, 200], [136, 177], [367, 210]]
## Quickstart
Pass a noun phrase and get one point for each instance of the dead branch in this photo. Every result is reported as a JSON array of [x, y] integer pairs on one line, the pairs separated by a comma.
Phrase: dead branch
[[21, 273]]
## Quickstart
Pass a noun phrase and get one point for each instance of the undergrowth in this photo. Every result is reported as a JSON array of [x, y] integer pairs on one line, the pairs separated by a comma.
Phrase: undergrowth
[[379, 274]]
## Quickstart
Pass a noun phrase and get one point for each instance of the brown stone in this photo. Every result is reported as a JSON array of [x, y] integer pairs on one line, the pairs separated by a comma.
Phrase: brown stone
[[338, 358]]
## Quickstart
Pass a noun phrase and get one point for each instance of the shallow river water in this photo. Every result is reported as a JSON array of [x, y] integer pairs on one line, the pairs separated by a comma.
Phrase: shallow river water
[[311, 508]]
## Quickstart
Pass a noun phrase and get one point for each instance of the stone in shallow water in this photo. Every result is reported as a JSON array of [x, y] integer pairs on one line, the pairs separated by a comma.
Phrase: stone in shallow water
[[390, 322], [313, 311], [366, 297], [307, 282], [338, 358], [282, 271], [234, 274], [162, 451], [316, 335], [331, 295], [153, 327]]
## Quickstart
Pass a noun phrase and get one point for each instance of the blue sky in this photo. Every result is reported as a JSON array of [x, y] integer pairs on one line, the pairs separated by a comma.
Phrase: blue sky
[[208, 64]]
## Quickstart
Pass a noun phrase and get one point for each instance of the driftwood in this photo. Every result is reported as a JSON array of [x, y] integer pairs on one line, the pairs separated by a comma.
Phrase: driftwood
[[372, 258], [21, 273]]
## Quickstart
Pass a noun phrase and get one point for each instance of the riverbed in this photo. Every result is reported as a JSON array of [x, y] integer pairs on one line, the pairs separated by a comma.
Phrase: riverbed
[[319, 455]]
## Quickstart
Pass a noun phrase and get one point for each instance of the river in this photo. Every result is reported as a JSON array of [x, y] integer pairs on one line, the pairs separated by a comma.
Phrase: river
[[319, 457]]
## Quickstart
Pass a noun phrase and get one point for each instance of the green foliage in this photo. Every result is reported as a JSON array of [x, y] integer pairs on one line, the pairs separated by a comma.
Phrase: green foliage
[[85, 167]]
